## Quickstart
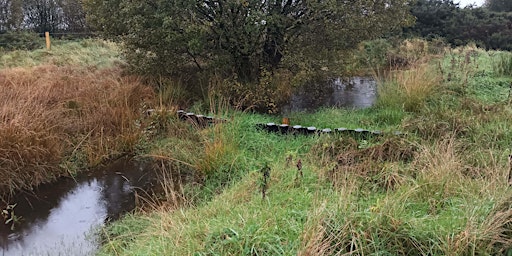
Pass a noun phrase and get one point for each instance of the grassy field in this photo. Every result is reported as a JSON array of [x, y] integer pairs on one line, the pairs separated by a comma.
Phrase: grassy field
[[439, 189], [84, 53]]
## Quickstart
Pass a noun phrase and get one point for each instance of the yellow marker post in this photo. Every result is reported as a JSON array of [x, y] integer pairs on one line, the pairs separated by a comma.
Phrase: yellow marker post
[[48, 43]]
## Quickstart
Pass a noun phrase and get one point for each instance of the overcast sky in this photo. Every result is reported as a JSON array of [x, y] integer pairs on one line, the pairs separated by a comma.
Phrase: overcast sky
[[464, 3]]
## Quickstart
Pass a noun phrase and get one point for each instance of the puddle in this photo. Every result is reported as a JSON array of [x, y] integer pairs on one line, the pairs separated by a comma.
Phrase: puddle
[[64, 218], [356, 92]]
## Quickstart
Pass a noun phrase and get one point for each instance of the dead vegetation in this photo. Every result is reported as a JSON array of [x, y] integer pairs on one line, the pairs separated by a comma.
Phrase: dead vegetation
[[55, 119], [376, 164]]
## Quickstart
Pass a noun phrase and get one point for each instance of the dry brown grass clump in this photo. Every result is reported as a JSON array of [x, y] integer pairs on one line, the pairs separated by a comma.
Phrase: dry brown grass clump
[[409, 89], [53, 118], [376, 164]]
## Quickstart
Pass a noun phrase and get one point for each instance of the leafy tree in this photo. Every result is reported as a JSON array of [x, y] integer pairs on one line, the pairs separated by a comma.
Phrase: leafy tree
[[491, 30], [106, 17], [244, 37], [458, 26], [499, 5], [434, 18], [5, 6]]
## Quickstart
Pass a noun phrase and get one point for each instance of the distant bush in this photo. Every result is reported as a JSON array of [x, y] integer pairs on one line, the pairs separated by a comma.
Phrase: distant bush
[[373, 54], [487, 27], [20, 41], [385, 54], [265, 96], [502, 64]]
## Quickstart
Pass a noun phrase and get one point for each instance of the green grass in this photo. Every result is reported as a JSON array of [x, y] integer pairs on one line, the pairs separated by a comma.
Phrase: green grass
[[318, 215], [374, 118], [440, 190], [418, 217], [236, 222], [88, 52]]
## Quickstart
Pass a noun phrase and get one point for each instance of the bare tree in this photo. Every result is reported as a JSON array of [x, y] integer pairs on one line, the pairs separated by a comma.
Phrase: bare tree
[[43, 15], [5, 6], [11, 14], [73, 15]]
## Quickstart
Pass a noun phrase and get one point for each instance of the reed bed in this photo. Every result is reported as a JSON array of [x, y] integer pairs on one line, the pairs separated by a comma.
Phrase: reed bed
[[56, 120]]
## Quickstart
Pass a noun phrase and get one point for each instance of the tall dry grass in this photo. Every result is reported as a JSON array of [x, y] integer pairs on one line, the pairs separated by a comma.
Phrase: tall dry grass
[[409, 89], [55, 119], [440, 209]]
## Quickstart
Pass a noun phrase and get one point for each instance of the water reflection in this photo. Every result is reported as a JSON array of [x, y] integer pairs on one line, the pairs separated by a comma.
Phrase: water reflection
[[62, 218], [356, 92]]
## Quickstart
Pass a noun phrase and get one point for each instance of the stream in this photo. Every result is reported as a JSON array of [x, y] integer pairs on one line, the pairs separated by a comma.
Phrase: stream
[[356, 92], [66, 217], [63, 218]]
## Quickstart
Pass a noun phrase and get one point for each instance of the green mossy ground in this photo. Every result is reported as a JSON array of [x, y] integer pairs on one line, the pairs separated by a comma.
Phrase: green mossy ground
[[441, 189]]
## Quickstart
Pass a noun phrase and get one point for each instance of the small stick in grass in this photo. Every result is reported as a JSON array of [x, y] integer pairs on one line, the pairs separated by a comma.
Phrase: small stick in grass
[[299, 168], [299, 171], [289, 160], [510, 93], [265, 171], [509, 170]]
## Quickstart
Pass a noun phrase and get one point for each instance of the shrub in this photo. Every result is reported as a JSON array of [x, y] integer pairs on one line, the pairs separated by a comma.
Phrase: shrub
[[373, 54], [265, 96], [21, 41], [502, 64]]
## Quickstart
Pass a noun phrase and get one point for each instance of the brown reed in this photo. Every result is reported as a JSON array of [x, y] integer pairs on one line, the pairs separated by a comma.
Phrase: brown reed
[[54, 120]]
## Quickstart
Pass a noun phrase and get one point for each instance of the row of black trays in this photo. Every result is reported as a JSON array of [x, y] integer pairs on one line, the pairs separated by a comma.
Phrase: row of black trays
[[298, 129], [280, 128]]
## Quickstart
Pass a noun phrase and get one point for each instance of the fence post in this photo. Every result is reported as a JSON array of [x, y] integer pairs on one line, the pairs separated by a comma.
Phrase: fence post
[[48, 43]]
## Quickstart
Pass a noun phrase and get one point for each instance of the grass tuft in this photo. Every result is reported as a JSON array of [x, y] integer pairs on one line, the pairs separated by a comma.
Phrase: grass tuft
[[409, 88]]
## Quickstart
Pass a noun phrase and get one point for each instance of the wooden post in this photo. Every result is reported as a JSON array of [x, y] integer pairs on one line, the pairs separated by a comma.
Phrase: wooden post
[[48, 43]]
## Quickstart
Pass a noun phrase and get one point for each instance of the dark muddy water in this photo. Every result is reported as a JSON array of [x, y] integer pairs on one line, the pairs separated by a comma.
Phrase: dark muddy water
[[64, 218], [356, 92]]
